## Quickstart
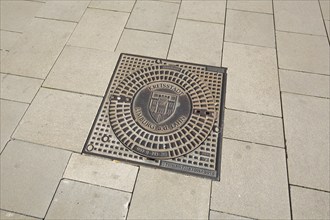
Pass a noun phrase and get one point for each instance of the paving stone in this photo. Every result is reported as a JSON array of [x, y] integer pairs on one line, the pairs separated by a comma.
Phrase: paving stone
[[36, 51], [153, 16], [304, 83], [82, 70], [18, 88], [250, 28], [182, 197], [124, 6], [197, 42], [75, 200], [224, 216], [303, 52], [144, 43], [11, 114], [252, 81], [307, 130], [102, 172], [299, 16], [309, 204], [254, 128], [325, 6], [327, 26], [249, 181], [59, 119], [99, 29], [3, 53], [264, 6], [213, 11], [30, 174], [4, 215], [63, 10], [8, 39], [15, 15]]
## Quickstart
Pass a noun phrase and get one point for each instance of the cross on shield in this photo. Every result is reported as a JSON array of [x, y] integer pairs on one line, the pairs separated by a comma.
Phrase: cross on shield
[[162, 105]]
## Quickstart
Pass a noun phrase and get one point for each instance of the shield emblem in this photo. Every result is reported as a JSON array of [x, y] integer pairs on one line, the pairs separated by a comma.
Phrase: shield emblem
[[162, 105]]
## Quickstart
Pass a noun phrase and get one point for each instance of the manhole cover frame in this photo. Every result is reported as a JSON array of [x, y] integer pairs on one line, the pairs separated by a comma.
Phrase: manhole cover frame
[[167, 164]]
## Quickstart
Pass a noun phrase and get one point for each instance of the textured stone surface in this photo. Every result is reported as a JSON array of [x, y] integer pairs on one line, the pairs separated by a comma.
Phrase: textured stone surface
[[15, 15], [264, 6], [252, 81], [11, 114], [99, 29], [303, 52], [214, 215], [153, 16], [82, 70], [182, 197], [59, 119], [307, 134], [250, 28], [30, 174], [124, 6], [37, 49], [102, 172], [144, 43], [212, 11], [63, 10], [75, 200], [299, 16], [4, 215], [18, 88], [249, 181], [310, 204], [197, 42], [8, 39], [304, 83]]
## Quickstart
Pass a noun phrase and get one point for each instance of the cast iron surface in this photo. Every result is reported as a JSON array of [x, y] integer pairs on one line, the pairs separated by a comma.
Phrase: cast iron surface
[[162, 113]]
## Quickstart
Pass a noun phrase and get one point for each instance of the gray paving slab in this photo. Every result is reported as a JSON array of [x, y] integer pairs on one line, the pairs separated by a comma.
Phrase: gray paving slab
[[63, 10], [210, 11], [144, 43], [307, 134], [124, 6], [264, 6], [214, 215], [11, 114], [17, 88], [99, 29], [169, 195], [36, 51], [30, 174], [250, 28], [299, 16], [4, 215], [59, 119], [327, 26], [253, 128], [15, 15], [102, 172], [305, 83], [75, 200], [252, 81], [8, 39], [310, 204], [155, 16], [197, 42], [249, 185], [303, 52], [82, 70], [325, 6]]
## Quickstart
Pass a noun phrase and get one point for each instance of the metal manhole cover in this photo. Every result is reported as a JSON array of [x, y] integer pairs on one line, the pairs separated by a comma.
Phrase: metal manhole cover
[[162, 113]]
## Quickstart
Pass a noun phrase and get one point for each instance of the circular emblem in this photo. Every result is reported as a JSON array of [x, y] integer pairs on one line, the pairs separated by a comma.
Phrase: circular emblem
[[161, 112], [161, 107]]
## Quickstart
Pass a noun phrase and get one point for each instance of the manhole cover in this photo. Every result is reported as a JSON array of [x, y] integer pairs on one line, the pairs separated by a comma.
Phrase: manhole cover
[[162, 113]]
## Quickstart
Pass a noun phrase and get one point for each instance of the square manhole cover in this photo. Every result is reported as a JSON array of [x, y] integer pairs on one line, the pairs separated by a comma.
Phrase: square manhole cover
[[162, 113]]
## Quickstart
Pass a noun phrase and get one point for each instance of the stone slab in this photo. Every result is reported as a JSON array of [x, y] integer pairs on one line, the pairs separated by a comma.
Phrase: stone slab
[[102, 172], [75, 200], [30, 174], [249, 185], [59, 119]]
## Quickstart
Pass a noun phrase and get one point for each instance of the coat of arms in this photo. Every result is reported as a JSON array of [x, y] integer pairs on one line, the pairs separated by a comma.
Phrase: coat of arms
[[162, 105]]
